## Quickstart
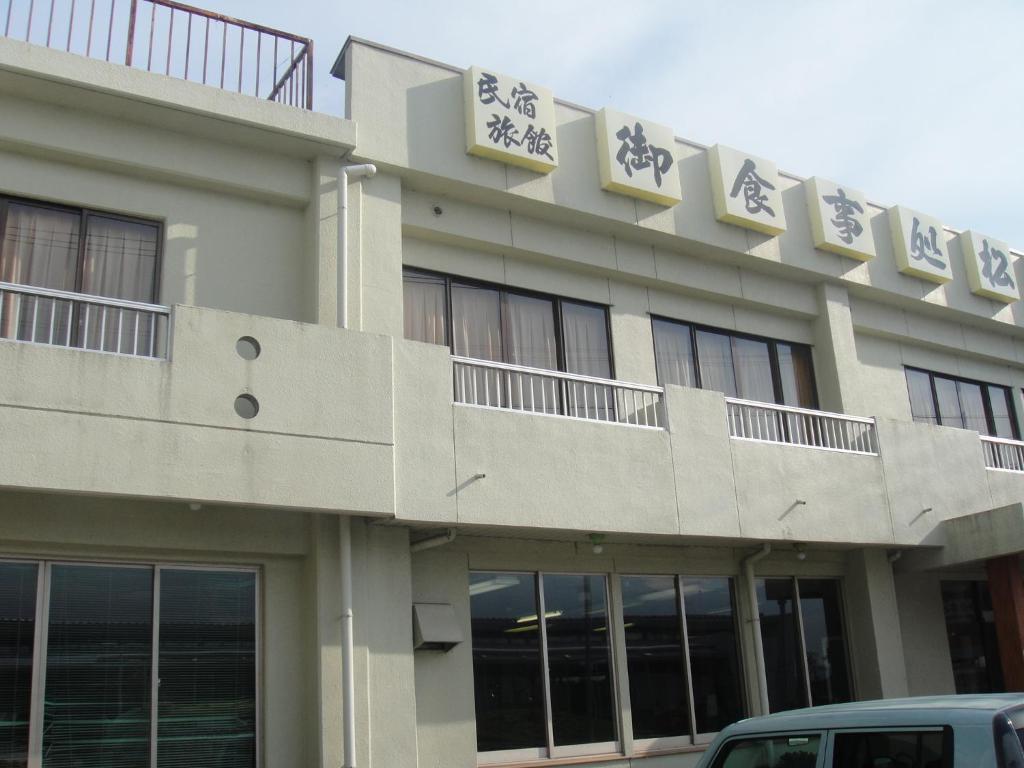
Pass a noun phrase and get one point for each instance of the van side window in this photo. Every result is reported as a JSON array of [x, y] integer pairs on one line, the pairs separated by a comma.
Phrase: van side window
[[892, 749], [799, 751]]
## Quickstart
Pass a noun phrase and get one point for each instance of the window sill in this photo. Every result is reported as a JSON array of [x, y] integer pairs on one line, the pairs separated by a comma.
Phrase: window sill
[[604, 758]]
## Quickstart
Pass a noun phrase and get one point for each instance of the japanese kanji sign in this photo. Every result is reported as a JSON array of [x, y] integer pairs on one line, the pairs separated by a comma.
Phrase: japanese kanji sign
[[636, 158], [919, 243], [746, 190], [989, 267], [509, 120], [839, 219]]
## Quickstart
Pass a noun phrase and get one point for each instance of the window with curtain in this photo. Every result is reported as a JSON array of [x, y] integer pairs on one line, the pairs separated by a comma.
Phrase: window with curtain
[[102, 654], [521, 328], [78, 251], [737, 365], [681, 645], [524, 624], [951, 401], [804, 642]]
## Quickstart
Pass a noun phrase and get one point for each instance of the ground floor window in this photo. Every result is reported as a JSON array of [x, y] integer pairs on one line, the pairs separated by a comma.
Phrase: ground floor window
[[127, 665], [542, 664], [682, 655], [804, 642], [973, 647]]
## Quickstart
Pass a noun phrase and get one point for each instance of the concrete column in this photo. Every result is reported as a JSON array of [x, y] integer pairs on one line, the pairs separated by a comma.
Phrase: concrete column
[[873, 626], [1007, 589], [322, 244], [835, 352], [326, 578]]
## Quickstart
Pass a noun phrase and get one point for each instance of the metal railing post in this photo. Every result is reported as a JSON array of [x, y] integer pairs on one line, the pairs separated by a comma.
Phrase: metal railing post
[[130, 48]]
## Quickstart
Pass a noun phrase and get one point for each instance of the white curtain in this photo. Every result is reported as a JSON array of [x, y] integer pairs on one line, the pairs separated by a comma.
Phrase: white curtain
[[674, 352], [40, 248], [585, 333], [120, 259], [476, 332], [531, 341], [424, 313]]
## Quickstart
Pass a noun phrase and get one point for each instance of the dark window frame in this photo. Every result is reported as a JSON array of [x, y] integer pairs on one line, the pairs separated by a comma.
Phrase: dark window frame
[[503, 290], [986, 400], [773, 354], [551, 750], [803, 671], [83, 233], [695, 736]]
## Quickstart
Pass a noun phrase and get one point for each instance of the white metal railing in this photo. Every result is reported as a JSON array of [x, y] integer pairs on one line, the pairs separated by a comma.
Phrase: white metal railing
[[66, 319], [767, 422], [537, 390], [1001, 453]]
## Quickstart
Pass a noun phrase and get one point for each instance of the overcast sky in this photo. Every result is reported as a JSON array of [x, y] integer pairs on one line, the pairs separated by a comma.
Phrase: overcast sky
[[912, 102]]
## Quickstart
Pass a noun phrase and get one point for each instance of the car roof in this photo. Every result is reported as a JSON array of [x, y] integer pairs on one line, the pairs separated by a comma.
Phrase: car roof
[[920, 710]]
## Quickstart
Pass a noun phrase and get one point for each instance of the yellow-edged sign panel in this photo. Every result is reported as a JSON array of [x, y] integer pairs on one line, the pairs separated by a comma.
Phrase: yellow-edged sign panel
[[746, 190], [510, 120], [839, 219], [636, 158], [989, 264], [919, 243]]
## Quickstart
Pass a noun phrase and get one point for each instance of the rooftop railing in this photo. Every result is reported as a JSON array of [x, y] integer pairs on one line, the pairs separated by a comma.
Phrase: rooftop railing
[[172, 39], [1003, 454], [81, 321], [767, 422], [556, 393]]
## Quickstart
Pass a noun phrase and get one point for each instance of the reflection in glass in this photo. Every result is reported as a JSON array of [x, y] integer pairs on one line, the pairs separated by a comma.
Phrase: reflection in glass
[[579, 659], [17, 634], [970, 628], [98, 660], [796, 373], [791, 751], [714, 655], [506, 661], [824, 642], [949, 403], [654, 653], [972, 406], [207, 701], [999, 397], [781, 639], [915, 749]]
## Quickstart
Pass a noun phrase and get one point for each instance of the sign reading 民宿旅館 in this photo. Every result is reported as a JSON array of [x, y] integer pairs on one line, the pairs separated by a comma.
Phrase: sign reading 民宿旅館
[[919, 243], [989, 267], [746, 190], [839, 219], [635, 158], [510, 120]]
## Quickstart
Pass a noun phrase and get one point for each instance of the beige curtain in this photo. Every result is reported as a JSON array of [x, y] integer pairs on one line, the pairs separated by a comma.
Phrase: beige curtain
[[673, 350], [40, 248], [424, 310]]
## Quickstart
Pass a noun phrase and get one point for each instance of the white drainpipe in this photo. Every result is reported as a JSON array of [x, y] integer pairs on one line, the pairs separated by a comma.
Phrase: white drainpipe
[[344, 174], [748, 573], [348, 682]]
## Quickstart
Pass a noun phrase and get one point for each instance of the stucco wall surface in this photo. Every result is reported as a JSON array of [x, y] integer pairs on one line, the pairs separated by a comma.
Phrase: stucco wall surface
[[99, 423]]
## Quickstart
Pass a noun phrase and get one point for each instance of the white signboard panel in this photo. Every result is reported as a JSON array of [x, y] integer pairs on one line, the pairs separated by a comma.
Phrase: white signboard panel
[[636, 158], [989, 267], [746, 190], [919, 243], [510, 120], [839, 219]]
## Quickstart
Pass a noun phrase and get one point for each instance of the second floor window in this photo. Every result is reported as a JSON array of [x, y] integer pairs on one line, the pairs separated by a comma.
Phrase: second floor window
[[954, 402], [735, 364], [493, 323], [51, 249]]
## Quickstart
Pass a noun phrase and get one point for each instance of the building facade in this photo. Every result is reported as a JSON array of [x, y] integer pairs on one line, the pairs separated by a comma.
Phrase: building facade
[[578, 442]]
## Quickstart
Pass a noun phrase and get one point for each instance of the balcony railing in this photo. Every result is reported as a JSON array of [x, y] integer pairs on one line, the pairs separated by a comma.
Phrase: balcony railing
[[555, 393], [64, 319], [766, 422], [1003, 454], [172, 39]]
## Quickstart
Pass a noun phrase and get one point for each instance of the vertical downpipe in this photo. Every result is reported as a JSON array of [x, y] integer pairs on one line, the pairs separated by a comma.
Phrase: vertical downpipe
[[348, 682], [755, 621]]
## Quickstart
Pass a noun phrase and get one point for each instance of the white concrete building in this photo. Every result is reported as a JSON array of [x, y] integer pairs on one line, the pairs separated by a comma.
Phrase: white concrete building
[[591, 439]]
